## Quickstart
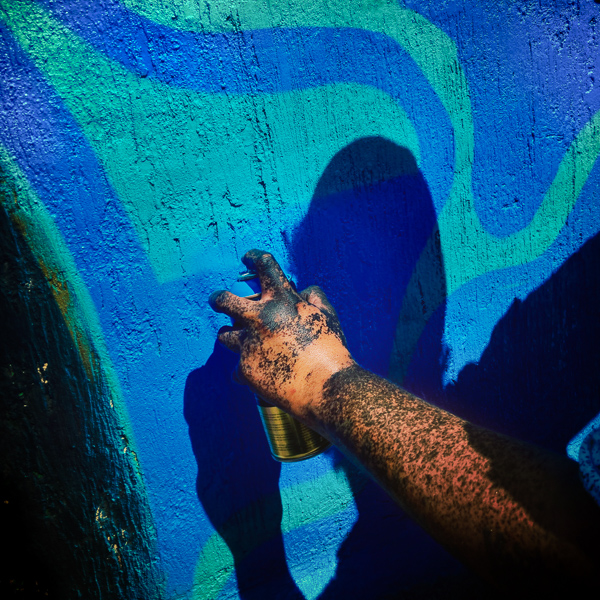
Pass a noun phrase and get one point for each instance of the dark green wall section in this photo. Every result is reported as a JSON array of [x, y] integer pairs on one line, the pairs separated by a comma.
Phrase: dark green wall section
[[73, 513]]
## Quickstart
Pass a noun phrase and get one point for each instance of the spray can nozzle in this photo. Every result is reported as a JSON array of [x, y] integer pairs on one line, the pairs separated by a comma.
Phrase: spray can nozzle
[[247, 286], [245, 275]]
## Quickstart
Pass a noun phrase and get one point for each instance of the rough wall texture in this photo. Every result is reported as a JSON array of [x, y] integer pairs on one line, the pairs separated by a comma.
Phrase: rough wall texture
[[74, 514], [432, 165]]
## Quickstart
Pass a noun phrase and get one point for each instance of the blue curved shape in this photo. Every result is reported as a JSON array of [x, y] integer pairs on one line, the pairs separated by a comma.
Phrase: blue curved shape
[[543, 93], [242, 62], [268, 61], [59, 164]]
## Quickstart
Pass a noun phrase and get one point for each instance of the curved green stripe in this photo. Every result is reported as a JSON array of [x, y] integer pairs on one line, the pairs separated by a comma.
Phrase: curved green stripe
[[479, 253], [470, 252], [303, 504], [468, 249], [233, 162], [432, 50]]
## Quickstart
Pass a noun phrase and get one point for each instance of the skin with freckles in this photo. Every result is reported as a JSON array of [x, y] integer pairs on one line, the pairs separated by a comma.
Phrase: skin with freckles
[[515, 513]]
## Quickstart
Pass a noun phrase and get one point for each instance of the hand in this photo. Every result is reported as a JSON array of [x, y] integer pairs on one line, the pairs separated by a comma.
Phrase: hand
[[290, 344]]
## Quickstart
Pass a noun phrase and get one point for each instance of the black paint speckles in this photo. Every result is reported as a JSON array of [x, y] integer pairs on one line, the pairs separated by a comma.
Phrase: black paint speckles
[[356, 405], [283, 311], [277, 312], [513, 512]]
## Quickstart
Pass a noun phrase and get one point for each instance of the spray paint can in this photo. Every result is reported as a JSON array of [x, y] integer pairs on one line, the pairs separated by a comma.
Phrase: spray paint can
[[289, 440]]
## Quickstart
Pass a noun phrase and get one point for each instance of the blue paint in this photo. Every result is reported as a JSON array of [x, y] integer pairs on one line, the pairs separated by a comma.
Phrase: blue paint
[[270, 61], [528, 92], [200, 443], [248, 287]]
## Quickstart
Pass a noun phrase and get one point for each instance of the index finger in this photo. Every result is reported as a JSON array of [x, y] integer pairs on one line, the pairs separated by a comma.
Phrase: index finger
[[237, 308], [269, 272]]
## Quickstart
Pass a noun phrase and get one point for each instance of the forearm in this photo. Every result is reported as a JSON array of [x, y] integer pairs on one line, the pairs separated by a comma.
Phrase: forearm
[[509, 510], [515, 513]]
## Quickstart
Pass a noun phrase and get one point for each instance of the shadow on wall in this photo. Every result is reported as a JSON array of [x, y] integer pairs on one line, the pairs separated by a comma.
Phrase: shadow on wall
[[238, 481], [540, 373], [538, 380], [369, 220]]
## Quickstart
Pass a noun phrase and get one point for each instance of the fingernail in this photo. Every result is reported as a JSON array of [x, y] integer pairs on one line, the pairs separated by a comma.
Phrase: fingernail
[[212, 300]]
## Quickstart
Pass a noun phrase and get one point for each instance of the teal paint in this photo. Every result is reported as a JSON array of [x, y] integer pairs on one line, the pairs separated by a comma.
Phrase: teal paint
[[155, 142]]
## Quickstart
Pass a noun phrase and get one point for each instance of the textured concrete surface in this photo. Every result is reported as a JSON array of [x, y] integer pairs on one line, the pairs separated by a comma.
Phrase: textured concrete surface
[[432, 165]]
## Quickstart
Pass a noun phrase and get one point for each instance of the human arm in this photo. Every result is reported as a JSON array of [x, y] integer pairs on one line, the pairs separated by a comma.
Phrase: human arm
[[513, 512]]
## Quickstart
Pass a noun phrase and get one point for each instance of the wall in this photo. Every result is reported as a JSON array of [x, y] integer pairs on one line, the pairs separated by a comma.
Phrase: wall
[[432, 165]]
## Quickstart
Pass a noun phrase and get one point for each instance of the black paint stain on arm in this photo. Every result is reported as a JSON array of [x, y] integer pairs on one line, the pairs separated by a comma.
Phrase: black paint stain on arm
[[515, 513]]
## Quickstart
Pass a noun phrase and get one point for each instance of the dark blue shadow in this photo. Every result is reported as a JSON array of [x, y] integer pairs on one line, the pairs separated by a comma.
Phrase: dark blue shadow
[[539, 377], [238, 481], [369, 219], [368, 223]]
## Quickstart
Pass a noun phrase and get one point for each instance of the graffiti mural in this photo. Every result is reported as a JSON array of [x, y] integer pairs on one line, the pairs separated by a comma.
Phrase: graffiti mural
[[432, 165]]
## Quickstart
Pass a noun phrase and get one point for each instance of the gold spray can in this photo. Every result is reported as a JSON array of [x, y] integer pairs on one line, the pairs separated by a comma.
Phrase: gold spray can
[[289, 440]]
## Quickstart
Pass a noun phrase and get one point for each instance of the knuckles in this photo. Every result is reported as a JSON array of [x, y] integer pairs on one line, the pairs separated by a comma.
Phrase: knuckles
[[312, 290], [266, 259]]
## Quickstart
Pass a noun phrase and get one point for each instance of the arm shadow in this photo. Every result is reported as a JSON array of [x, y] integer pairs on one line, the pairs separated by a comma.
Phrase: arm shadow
[[238, 480]]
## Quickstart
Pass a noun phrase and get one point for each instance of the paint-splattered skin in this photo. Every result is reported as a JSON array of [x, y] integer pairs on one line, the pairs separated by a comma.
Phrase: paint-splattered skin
[[515, 513], [290, 343]]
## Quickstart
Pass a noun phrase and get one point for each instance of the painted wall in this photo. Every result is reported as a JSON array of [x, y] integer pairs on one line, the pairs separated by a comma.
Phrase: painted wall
[[432, 165]]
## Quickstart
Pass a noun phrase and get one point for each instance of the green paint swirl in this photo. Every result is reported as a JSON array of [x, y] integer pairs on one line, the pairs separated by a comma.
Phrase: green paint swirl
[[200, 160], [194, 170], [303, 504], [469, 250]]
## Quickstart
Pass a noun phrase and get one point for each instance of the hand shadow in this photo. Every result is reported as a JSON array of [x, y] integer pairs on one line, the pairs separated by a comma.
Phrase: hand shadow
[[238, 480]]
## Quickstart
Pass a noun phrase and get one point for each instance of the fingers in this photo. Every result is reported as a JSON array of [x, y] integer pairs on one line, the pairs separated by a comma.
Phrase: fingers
[[316, 296], [231, 338], [269, 272], [237, 308]]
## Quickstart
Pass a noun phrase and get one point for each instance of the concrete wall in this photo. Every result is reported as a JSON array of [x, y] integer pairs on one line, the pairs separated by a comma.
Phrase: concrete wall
[[432, 165]]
